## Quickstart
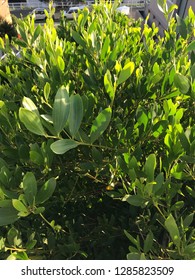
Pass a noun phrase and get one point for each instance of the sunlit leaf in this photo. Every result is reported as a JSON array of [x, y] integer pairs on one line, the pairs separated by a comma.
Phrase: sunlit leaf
[[61, 109], [126, 72], [100, 124], [31, 121], [76, 114]]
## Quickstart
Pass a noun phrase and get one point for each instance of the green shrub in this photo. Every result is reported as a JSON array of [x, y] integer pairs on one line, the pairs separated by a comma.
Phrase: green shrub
[[97, 139]]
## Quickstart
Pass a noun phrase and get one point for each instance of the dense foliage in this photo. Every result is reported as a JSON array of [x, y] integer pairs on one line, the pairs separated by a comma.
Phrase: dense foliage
[[97, 139]]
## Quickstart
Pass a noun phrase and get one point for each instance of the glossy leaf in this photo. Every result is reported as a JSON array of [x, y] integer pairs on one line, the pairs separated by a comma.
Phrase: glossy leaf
[[62, 146], [76, 114], [126, 72], [61, 109], [100, 124], [31, 121]]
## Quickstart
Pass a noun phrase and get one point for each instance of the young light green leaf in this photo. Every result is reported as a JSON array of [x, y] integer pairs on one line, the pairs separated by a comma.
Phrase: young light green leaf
[[29, 105], [61, 63], [46, 91], [46, 191], [181, 82], [61, 109], [76, 114], [30, 187], [126, 72], [62, 146], [173, 230], [31, 121], [18, 205], [149, 167], [100, 124]]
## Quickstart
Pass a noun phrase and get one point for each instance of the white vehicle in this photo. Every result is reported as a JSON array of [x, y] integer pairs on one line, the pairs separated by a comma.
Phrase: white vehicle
[[39, 13], [73, 11], [124, 10]]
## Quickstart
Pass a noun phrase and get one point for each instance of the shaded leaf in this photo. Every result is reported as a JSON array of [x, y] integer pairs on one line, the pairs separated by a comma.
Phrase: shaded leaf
[[62, 146], [30, 187], [181, 82], [8, 215], [46, 191], [173, 230], [149, 167]]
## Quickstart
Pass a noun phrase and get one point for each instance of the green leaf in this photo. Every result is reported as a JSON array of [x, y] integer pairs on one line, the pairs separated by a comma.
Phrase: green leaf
[[31, 121], [182, 83], [149, 167], [148, 242], [61, 63], [46, 191], [18, 205], [191, 46], [76, 114], [135, 200], [30, 187], [173, 230], [46, 91], [8, 215], [14, 238], [133, 256], [108, 85], [182, 28], [126, 72], [29, 105], [188, 220], [160, 4], [77, 37], [62, 146], [105, 48], [61, 109], [177, 206], [132, 239], [36, 34], [100, 124]]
